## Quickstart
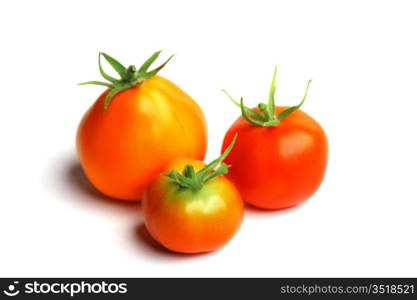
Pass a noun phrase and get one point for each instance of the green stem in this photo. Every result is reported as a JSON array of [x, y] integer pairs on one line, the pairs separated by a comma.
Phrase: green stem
[[271, 98], [267, 116], [245, 115], [129, 77], [195, 180], [247, 110], [290, 110]]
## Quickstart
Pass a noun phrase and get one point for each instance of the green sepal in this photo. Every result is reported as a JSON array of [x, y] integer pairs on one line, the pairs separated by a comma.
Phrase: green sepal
[[98, 83], [117, 66], [247, 110], [221, 170], [267, 116], [255, 121], [104, 74], [183, 181], [156, 70], [129, 77], [113, 92], [144, 68], [282, 115], [218, 160], [270, 108], [196, 180]]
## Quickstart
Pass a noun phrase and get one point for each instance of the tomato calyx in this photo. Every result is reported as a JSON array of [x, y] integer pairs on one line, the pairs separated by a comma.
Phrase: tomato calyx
[[190, 179], [266, 116], [129, 77]]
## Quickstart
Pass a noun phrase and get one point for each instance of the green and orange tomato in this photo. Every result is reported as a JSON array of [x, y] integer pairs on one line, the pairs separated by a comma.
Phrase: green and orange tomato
[[193, 208]]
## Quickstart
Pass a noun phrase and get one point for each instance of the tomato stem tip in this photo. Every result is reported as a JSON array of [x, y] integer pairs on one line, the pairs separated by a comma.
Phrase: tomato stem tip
[[190, 179], [129, 77], [267, 117]]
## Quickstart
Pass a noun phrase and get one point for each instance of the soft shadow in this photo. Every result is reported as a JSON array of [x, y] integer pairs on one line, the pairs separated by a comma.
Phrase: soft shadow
[[77, 182], [254, 211], [144, 238], [75, 177]]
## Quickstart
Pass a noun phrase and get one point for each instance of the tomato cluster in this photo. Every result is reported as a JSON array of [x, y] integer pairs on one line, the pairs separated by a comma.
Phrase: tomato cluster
[[144, 139]]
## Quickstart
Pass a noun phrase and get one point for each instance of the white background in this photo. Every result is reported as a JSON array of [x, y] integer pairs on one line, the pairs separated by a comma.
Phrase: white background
[[361, 56]]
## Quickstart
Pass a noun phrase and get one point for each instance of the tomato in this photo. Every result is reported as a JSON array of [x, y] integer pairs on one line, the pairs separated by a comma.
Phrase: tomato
[[134, 130], [280, 157], [192, 218]]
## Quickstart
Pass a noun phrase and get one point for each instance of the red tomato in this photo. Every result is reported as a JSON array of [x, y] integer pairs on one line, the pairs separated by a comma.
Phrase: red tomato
[[192, 219], [279, 161]]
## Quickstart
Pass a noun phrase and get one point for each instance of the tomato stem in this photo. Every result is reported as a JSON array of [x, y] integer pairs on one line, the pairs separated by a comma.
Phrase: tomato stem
[[195, 180], [129, 77], [266, 117]]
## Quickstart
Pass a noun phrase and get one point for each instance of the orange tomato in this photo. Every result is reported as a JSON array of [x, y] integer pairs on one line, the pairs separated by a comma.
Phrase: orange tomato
[[122, 149], [192, 221]]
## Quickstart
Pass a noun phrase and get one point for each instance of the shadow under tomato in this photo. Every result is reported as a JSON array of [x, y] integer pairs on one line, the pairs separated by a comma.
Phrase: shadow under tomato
[[79, 187], [76, 179], [254, 211], [142, 236]]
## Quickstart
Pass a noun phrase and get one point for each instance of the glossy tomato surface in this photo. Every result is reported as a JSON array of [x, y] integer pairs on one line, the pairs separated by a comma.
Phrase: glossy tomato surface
[[277, 167], [192, 221], [145, 127]]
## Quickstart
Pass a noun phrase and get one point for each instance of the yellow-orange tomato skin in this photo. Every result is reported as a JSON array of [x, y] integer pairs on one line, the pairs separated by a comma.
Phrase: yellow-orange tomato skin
[[144, 128], [188, 221]]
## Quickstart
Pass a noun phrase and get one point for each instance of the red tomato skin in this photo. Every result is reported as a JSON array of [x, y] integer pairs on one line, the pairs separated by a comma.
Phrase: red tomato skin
[[277, 167], [187, 221]]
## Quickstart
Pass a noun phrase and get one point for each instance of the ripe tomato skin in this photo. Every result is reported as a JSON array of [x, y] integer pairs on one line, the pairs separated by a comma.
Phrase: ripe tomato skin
[[145, 127], [188, 221], [277, 167]]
